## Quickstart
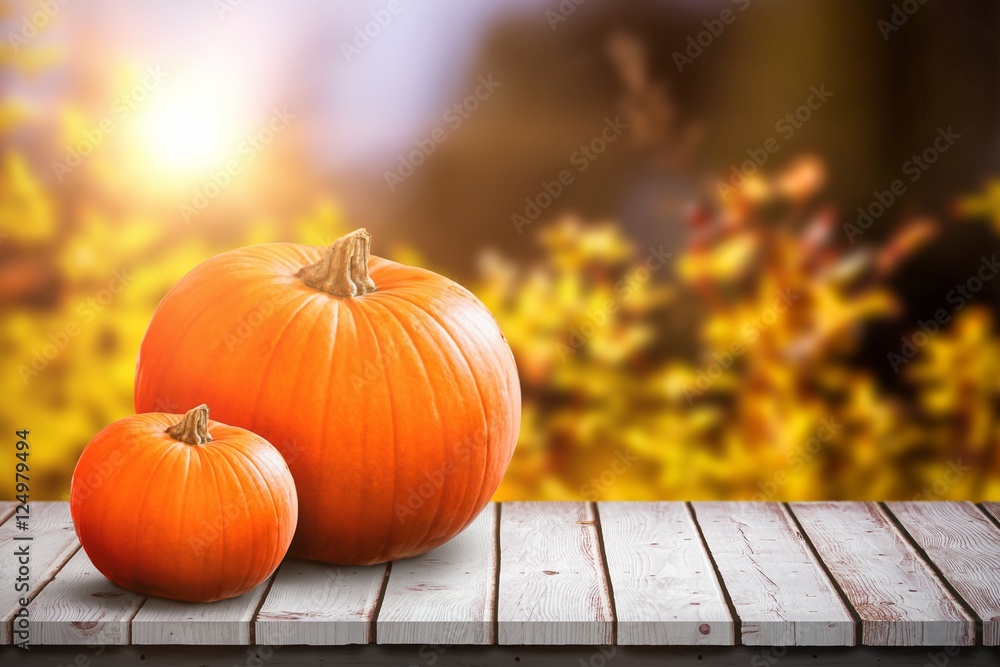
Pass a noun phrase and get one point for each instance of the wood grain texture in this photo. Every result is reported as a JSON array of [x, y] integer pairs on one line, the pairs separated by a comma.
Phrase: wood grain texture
[[965, 545], [993, 509], [317, 604], [900, 600], [664, 585], [81, 606], [446, 596], [779, 591], [52, 543], [162, 621], [552, 584], [6, 509], [553, 590]]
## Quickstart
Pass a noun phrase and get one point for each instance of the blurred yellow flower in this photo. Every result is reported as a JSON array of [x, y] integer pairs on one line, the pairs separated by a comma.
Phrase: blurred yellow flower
[[27, 211]]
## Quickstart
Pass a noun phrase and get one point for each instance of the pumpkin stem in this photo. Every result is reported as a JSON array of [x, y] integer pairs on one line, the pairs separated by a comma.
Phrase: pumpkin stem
[[343, 269], [193, 429]]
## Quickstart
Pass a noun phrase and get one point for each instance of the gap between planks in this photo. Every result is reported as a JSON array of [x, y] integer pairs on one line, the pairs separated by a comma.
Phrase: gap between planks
[[859, 638], [962, 543], [896, 595], [664, 586], [53, 542], [782, 595], [552, 584], [447, 595], [602, 550]]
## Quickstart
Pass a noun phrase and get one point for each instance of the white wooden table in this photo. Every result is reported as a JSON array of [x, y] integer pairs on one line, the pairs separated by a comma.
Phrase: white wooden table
[[723, 581]]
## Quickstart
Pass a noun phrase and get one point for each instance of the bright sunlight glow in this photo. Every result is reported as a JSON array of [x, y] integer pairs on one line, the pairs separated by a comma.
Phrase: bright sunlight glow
[[184, 134], [188, 128]]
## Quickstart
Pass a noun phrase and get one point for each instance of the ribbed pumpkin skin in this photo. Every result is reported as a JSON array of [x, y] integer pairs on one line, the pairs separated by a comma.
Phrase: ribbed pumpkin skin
[[188, 522], [397, 411]]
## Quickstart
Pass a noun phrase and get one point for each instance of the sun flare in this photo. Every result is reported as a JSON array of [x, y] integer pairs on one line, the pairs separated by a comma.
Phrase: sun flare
[[185, 133]]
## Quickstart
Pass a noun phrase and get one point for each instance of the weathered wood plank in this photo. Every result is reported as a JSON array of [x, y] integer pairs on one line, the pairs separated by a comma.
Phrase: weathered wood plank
[[52, 543], [81, 606], [900, 600], [552, 585], [6, 509], [993, 509], [779, 591], [446, 596], [665, 588], [553, 588], [318, 604], [162, 621], [965, 546]]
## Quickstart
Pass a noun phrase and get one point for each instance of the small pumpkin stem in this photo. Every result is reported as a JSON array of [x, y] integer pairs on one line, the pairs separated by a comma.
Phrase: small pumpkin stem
[[193, 429], [343, 269]]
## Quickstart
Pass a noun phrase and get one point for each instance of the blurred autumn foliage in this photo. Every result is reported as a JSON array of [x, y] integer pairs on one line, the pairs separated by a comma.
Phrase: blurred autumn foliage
[[772, 406]]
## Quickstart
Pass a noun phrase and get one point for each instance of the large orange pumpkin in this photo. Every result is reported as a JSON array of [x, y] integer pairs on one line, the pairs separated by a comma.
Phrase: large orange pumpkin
[[389, 389], [183, 507]]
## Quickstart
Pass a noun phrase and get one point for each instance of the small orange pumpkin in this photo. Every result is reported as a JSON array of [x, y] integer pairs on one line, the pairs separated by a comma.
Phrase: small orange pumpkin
[[389, 389], [191, 510]]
